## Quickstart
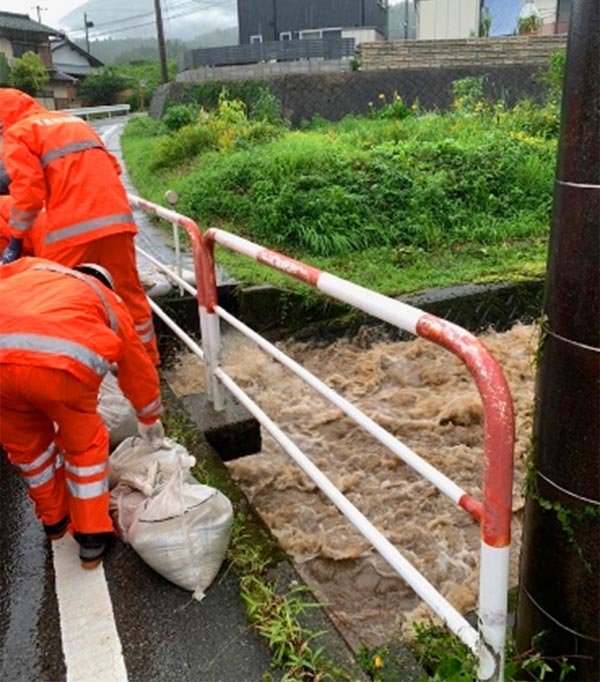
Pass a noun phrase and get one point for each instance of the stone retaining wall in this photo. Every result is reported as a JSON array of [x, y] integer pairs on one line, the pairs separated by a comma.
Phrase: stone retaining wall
[[532, 50]]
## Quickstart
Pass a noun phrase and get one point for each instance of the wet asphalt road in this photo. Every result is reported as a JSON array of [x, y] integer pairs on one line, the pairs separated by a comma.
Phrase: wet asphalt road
[[164, 634]]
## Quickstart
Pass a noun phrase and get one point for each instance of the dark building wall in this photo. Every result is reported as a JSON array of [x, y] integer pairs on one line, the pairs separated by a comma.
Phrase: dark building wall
[[256, 17], [270, 17]]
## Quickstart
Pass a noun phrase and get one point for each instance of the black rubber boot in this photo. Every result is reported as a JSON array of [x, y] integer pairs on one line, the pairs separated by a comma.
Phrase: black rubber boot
[[92, 548], [55, 531]]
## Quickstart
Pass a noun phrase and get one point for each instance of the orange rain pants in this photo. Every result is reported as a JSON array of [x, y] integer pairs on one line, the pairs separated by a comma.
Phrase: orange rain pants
[[116, 253], [33, 400]]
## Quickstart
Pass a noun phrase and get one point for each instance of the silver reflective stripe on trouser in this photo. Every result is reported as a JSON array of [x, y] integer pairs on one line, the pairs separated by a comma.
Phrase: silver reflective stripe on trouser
[[47, 474], [87, 226], [39, 343], [86, 491], [145, 330], [86, 471], [70, 148], [152, 410], [86, 279], [41, 459]]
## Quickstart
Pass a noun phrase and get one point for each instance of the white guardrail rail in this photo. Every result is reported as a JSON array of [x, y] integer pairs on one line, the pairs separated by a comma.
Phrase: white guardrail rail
[[107, 110]]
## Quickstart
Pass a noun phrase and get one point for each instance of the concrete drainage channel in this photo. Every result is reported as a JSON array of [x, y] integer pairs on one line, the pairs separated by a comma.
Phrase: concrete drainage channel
[[235, 433]]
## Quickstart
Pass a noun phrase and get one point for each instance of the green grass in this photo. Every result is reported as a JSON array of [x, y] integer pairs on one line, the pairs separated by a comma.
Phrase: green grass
[[395, 205]]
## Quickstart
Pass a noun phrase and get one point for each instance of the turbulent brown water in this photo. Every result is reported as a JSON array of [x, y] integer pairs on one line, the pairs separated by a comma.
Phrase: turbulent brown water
[[427, 399]]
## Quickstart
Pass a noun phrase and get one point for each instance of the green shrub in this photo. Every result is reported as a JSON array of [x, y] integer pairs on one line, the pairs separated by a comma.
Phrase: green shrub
[[554, 75], [144, 126], [423, 182], [186, 143], [467, 94], [102, 86], [179, 116], [392, 110], [265, 107]]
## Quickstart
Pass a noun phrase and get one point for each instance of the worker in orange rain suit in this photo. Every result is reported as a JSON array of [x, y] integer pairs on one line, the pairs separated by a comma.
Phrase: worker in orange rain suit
[[58, 161], [62, 332]]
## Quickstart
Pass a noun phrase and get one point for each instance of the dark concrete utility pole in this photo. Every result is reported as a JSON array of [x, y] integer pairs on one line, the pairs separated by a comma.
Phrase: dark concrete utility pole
[[162, 50], [559, 605], [87, 25]]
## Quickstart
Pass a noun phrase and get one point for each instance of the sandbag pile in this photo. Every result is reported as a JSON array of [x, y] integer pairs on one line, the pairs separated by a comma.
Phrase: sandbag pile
[[178, 526], [116, 411]]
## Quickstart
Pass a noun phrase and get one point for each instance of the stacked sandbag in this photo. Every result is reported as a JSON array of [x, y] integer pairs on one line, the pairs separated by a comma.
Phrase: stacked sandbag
[[116, 411], [178, 526]]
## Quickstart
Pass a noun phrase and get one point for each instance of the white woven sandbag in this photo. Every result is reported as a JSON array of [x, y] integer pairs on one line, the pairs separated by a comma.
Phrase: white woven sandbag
[[183, 532], [116, 411], [134, 456], [125, 503]]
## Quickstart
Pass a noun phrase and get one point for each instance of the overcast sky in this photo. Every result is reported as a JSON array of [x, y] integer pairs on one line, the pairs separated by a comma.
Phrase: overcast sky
[[51, 10]]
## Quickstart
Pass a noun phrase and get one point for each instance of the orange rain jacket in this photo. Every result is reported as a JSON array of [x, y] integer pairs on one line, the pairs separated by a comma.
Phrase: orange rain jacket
[[62, 319], [58, 161], [31, 242]]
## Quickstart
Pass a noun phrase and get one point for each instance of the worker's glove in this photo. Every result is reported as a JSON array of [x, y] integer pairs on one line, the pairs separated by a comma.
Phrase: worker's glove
[[152, 434], [12, 251]]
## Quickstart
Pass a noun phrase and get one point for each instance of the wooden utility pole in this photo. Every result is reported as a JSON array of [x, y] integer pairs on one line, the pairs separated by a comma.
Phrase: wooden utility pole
[[559, 588], [162, 49]]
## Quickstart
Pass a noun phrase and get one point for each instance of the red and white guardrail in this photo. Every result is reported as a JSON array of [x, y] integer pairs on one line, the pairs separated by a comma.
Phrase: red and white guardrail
[[493, 514]]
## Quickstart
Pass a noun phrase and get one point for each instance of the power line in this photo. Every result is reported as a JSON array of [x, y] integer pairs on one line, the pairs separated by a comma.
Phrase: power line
[[110, 32], [181, 5]]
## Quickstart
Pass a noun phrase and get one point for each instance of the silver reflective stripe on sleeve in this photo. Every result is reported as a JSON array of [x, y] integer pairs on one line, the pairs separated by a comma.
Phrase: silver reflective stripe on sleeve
[[87, 226], [145, 338], [19, 213], [86, 279], [145, 331], [21, 225], [150, 410], [71, 148], [86, 491], [50, 344], [86, 471], [38, 461]]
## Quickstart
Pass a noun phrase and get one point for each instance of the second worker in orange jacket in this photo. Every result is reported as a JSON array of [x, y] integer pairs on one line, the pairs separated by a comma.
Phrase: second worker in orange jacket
[[61, 331], [57, 161]]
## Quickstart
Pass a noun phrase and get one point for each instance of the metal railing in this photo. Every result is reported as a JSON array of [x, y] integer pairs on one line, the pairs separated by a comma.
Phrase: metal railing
[[493, 514], [278, 50], [107, 110]]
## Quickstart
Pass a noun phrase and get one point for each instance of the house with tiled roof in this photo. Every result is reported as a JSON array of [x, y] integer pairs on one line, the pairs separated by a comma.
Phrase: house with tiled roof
[[71, 59], [20, 34]]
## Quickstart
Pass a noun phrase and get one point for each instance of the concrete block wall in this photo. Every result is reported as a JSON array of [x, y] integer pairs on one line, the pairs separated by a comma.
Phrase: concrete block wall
[[532, 50]]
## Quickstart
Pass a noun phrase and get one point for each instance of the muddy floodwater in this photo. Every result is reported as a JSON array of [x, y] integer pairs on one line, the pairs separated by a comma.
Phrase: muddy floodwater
[[427, 399]]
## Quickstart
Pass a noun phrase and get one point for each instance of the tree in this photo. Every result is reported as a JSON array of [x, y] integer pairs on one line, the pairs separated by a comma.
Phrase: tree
[[28, 73], [103, 86]]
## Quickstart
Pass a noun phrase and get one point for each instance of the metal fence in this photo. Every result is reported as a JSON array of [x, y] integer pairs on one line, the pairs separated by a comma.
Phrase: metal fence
[[279, 51]]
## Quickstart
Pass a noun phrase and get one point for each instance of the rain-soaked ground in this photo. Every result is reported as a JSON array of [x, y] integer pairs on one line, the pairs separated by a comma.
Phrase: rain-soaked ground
[[427, 399]]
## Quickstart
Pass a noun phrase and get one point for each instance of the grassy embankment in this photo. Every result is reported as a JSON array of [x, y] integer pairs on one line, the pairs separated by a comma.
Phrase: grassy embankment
[[397, 201]]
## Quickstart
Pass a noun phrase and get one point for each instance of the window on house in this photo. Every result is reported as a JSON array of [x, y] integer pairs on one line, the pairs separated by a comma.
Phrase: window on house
[[285, 35], [256, 39], [310, 35], [20, 48]]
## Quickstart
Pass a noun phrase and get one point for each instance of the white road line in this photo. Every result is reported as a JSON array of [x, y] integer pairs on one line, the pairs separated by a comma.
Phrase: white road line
[[90, 640], [107, 133]]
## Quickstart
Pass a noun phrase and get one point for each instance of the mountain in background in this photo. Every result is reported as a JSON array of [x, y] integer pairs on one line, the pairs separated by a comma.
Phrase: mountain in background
[[182, 19], [124, 50]]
